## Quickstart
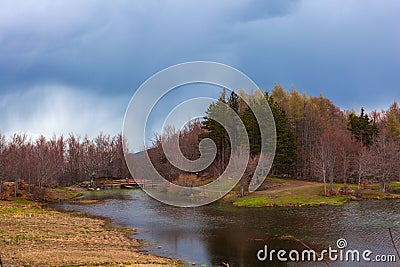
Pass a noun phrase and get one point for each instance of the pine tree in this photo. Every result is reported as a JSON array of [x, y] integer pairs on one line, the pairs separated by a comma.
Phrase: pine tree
[[285, 154], [214, 130], [233, 102], [363, 129], [253, 131]]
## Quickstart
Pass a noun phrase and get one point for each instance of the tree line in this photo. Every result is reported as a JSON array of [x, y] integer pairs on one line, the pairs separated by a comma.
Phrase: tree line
[[338, 146], [315, 140], [60, 160]]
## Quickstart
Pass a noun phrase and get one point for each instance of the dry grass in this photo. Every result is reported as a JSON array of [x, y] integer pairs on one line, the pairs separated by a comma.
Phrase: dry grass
[[31, 236], [189, 180]]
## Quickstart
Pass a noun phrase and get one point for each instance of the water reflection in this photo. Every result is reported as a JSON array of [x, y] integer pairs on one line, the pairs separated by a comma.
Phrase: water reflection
[[217, 233]]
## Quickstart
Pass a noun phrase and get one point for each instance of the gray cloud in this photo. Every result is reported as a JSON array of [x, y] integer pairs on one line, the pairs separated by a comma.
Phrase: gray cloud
[[346, 50], [55, 109], [77, 42]]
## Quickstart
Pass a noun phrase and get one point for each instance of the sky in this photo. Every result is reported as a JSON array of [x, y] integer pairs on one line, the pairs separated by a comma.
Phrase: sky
[[72, 66]]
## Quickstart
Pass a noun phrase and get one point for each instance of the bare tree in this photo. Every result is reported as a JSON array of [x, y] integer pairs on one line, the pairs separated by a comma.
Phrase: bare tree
[[325, 159], [74, 154], [385, 160], [362, 164], [347, 149]]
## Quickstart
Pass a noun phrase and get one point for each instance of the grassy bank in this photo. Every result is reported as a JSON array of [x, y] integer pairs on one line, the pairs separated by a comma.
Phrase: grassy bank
[[32, 236], [59, 194], [288, 192]]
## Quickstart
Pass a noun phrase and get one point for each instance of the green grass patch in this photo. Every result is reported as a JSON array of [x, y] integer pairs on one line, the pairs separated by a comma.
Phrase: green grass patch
[[312, 195], [21, 201], [374, 187], [23, 208], [296, 197], [395, 185], [61, 194]]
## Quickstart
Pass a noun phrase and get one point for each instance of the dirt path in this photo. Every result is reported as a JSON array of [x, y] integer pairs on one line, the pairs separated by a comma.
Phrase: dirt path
[[288, 185]]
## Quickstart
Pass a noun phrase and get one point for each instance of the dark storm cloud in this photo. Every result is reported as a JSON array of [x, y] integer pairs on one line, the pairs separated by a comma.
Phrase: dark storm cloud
[[346, 50], [116, 44]]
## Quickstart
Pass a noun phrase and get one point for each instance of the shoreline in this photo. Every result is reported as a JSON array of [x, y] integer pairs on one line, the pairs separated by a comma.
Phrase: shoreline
[[287, 192], [283, 192], [33, 236]]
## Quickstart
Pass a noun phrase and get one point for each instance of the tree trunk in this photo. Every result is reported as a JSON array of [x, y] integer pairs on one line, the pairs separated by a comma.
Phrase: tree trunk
[[241, 187], [384, 186], [331, 189], [15, 188]]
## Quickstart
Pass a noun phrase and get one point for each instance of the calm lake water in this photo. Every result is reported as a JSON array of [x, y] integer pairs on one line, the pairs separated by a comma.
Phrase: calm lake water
[[217, 233]]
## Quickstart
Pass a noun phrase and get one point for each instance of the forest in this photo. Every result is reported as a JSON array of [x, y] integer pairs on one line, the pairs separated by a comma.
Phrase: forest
[[34, 164], [316, 140]]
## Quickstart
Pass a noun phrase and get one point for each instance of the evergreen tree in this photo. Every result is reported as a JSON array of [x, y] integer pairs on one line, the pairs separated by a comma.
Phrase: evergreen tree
[[285, 154], [362, 128], [232, 121], [253, 131], [233, 102], [214, 130]]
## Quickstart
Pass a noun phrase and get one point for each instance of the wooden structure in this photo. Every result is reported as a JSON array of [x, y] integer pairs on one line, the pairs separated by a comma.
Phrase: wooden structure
[[123, 183]]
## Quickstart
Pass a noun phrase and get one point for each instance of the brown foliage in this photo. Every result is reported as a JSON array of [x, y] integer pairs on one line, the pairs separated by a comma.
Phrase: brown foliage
[[189, 180], [325, 151], [7, 190], [188, 144], [59, 161]]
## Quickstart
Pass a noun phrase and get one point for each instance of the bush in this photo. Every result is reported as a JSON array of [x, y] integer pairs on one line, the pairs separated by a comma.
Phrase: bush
[[7, 190]]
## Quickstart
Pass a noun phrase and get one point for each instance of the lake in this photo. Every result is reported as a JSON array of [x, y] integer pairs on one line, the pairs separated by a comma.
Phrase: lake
[[217, 233]]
